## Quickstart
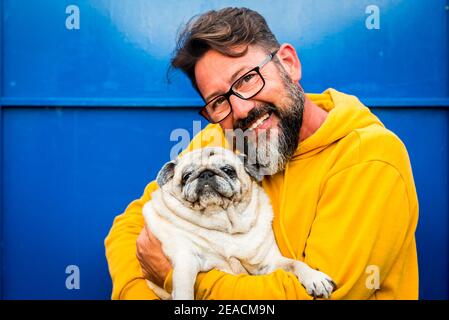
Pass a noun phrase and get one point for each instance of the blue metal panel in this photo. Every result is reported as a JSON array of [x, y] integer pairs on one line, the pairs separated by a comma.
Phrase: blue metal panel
[[1, 150], [120, 54], [67, 173], [68, 170], [425, 133]]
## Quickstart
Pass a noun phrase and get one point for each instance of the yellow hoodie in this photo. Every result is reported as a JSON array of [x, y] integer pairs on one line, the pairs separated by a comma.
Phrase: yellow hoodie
[[345, 204]]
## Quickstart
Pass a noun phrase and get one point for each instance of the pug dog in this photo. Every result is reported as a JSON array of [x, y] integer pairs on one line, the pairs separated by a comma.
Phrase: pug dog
[[210, 212]]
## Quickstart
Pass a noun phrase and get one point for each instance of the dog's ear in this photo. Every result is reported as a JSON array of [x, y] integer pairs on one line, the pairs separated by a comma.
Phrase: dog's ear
[[252, 169], [166, 173]]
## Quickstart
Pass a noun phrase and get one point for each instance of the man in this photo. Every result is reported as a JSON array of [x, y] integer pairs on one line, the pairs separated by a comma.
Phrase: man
[[340, 183]]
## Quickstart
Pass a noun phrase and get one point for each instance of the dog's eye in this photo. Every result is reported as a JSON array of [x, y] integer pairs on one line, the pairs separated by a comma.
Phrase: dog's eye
[[185, 176], [229, 171]]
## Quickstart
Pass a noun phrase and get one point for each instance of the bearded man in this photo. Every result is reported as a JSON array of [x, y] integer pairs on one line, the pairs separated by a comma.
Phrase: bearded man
[[340, 183]]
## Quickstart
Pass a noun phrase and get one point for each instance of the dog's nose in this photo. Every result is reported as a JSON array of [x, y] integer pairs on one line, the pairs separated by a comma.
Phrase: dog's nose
[[206, 174]]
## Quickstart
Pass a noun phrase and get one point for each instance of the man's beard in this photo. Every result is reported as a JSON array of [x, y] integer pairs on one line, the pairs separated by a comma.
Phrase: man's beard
[[270, 150]]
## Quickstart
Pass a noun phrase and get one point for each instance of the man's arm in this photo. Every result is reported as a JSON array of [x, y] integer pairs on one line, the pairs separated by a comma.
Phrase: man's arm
[[120, 244], [364, 218]]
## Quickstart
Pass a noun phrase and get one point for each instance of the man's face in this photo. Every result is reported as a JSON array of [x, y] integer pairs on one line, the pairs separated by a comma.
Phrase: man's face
[[270, 121]]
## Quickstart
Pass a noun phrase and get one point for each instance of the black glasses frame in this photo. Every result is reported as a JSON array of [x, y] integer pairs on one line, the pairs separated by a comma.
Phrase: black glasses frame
[[227, 95]]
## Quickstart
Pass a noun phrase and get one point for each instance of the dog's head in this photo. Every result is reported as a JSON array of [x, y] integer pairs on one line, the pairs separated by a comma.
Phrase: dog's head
[[208, 179]]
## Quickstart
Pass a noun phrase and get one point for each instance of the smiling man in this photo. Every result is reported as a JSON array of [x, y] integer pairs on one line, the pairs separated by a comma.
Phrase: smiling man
[[340, 183]]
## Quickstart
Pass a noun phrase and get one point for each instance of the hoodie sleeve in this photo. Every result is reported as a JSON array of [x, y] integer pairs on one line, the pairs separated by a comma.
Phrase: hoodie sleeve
[[120, 244], [362, 231]]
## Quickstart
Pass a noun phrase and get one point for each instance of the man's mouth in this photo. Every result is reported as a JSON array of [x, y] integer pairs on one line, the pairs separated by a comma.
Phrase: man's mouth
[[259, 122]]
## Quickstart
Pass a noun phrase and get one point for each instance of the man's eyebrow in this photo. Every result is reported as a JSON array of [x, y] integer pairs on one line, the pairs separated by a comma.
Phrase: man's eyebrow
[[235, 74], [233, 78]]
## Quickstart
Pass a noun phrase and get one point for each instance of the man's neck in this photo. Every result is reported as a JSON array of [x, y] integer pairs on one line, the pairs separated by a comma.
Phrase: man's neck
[[312, 118]]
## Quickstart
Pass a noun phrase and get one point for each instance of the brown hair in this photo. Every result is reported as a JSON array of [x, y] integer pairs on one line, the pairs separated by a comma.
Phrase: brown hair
[[223, 31]]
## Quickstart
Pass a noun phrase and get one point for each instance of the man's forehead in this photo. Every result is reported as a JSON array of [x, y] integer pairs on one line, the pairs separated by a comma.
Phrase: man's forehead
[[214, 71]]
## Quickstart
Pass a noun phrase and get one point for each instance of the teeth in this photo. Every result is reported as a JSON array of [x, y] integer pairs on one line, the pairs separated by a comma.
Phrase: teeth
[[259, 121]]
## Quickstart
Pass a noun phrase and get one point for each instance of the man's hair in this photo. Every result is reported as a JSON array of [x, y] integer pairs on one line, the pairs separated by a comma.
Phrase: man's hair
[[224, 30]]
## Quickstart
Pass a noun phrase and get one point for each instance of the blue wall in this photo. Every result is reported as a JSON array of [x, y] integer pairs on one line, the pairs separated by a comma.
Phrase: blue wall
[[86, 116]]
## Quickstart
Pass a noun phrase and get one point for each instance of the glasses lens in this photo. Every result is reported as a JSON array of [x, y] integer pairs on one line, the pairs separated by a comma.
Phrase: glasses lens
[[218, 109], [248, 85]]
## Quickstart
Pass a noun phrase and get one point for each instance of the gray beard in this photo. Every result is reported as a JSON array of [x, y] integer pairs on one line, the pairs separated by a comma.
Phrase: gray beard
[[272, 149]]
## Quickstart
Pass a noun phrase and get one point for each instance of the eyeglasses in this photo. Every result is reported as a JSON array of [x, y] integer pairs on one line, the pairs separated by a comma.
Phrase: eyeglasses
[[245, 87]]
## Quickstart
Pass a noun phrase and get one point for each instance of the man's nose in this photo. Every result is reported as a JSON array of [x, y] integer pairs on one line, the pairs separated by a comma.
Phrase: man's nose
[[240, 107]]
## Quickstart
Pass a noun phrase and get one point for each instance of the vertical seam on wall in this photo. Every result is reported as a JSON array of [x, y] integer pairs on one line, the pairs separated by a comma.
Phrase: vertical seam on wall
[[2, 269]]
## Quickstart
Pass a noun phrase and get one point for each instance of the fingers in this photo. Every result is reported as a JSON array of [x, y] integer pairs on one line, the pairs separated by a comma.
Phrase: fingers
[[155, 265], [141, 244], [151, 237]]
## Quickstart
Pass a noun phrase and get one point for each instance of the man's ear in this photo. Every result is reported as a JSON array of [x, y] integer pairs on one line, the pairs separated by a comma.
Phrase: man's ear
[[166, 173], [252, 169], [290, 61]]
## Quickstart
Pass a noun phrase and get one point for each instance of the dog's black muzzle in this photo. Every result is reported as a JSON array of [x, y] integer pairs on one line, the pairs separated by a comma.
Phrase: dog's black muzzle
[[206, 178]]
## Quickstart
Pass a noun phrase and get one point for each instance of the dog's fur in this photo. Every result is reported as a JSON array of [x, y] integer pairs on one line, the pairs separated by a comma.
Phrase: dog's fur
[[210, 212]]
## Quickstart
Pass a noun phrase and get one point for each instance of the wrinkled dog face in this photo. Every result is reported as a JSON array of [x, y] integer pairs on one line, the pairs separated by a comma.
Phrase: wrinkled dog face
[[208, 179]]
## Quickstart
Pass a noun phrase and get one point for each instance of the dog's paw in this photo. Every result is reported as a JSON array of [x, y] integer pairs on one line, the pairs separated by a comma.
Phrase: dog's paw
[[318, 284]]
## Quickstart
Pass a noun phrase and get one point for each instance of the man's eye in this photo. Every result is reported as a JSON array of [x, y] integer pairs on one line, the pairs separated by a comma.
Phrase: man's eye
[[247, 78], [244, 81], [218, 102]]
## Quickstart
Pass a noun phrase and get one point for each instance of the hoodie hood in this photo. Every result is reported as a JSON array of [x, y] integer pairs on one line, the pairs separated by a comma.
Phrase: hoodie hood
[[345, 114]]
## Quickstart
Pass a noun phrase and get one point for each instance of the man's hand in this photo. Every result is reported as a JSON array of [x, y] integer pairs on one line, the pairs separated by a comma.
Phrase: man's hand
[[155, 265]]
